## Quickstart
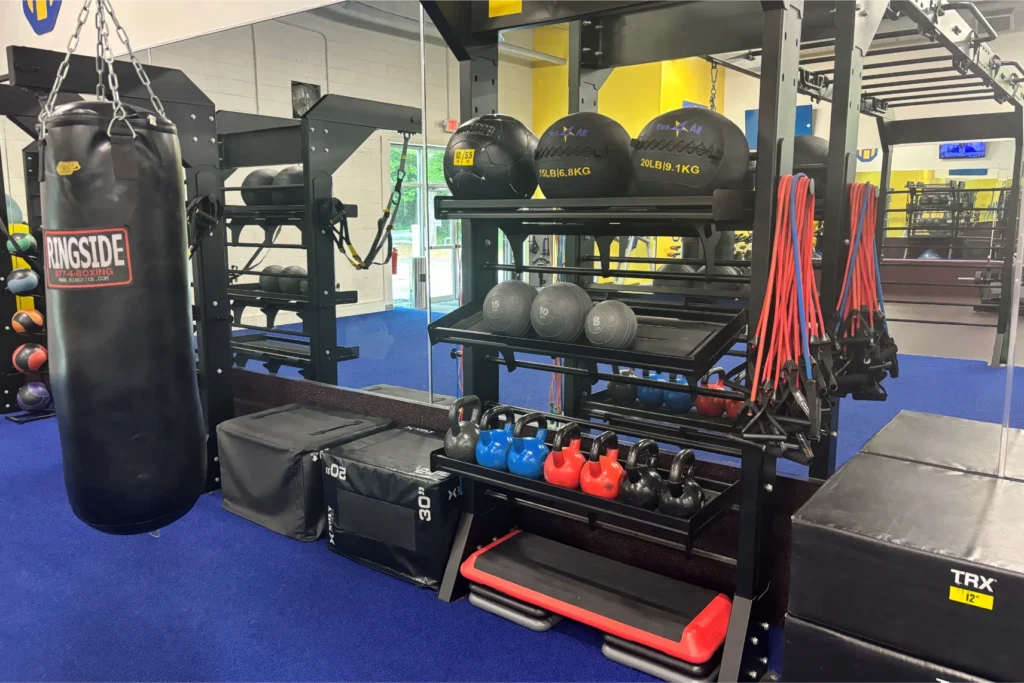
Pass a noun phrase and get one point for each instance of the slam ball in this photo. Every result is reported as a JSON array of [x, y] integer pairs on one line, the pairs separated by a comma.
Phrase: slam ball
[[293, 285], [261, 177], [559, 312], [22, 280], [289, 196], [269, 281], [690, 152], [29, 357], [507, 306], [491, 157], [611, 324], [21, 242], [27, 321], [33, 397], [584, 155]]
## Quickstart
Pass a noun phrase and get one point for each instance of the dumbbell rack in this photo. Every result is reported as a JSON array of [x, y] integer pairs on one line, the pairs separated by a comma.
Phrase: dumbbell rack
[[326, 135]]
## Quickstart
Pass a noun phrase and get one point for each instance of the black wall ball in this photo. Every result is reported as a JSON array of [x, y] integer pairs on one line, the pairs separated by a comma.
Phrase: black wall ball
[[584, 155], [690, 152], [491, 157]]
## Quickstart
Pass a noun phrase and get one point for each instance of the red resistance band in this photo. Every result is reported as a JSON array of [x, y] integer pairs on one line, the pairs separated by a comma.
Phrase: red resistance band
[[781, 310], [860, 291]]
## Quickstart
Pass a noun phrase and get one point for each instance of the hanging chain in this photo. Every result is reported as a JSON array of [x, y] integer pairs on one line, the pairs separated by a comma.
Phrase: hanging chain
[[62, 70], [104, 61], [714, 86], [122, 35]]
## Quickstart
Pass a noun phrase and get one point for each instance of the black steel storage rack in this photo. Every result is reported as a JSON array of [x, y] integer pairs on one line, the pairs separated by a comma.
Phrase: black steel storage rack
[[777, 42], [321, 140]]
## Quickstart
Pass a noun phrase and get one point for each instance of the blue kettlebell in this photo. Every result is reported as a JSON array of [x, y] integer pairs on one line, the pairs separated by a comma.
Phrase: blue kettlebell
[[527, 454], [678, 401], [492, 447], [651, 396]]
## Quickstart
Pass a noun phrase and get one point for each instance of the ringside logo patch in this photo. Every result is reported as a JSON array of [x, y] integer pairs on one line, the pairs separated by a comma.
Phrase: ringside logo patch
[[79, 259]]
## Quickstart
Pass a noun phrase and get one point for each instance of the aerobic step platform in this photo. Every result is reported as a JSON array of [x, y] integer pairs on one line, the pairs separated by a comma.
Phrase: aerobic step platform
[[669, 616]]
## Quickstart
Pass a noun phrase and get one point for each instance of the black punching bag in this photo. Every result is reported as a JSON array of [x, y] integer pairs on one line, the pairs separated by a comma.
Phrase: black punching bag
[[122, 366]]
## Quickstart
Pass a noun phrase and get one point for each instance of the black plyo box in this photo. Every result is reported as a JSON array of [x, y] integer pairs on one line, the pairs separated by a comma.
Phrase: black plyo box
[[918, 558], [814, 653], [386, 509]]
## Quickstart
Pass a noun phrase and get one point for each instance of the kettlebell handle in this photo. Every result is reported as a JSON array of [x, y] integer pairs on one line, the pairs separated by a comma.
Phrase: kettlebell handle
[[645, 447], [602, 443], [682, 466], [566, 435], [539, 418], [488, 419], [706, 379], [453, 413]]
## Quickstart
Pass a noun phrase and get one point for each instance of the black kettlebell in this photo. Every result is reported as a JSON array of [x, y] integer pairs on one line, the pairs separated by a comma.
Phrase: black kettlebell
[[682, 495], [643, 483], [461, 437], [622, 393]]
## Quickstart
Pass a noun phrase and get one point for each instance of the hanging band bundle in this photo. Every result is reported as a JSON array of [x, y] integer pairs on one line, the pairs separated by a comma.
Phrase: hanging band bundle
[[122, 364], [385, 224], [866, 351], [790, 335]]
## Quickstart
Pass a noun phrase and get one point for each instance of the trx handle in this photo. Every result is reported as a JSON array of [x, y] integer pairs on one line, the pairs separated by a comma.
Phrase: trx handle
[[202, 213]]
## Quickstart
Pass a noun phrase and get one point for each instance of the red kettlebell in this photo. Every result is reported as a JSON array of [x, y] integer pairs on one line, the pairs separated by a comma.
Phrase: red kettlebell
[[733, 408], [562, 468], [711, 406], [602, 475]]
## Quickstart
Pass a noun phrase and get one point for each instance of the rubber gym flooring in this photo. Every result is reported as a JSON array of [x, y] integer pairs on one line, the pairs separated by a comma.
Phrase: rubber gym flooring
[[220, 599]]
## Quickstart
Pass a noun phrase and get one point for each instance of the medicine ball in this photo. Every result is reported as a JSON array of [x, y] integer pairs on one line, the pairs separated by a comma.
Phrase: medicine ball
[[22, 280], [21, 242], [261, 177], [268, 278], [810, 157], [726, 270], [559, 311], [13, 211], [506, 308], [292, 196], [29, 357], [676, 269], [584, 155], [491, 157], [293, 285], [34, 396], [611, 324], [27, 321], [690, 152]]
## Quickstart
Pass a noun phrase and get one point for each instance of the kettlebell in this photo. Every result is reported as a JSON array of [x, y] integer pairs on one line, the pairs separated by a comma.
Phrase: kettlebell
[[651, 397], [711, 406], [492, 448], [527, 454], [602, 475], [622, 393], [562, 468], [681, 496], [461, 437], [678, 401], [733, 407], [643, 483]]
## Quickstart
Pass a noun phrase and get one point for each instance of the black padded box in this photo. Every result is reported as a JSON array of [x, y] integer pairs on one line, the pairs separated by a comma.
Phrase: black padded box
[[269, 464], [918, 558], [815, 653], [386, 509]]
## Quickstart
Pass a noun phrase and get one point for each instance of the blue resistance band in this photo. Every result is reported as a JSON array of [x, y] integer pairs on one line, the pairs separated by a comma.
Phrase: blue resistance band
[[853, 258], [799, 276]]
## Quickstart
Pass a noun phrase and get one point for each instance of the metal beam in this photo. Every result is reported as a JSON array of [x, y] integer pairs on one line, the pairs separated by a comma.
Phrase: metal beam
[[945, 128]]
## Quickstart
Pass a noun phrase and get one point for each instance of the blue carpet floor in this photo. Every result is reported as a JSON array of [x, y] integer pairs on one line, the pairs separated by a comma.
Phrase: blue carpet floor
[[218, 598]]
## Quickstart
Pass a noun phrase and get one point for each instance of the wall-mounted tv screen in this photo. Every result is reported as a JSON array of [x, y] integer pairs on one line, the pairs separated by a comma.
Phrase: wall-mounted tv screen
[[962, 150]]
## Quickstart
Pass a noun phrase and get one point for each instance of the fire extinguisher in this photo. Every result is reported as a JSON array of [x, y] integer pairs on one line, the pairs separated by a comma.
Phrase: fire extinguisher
[[394, 261]]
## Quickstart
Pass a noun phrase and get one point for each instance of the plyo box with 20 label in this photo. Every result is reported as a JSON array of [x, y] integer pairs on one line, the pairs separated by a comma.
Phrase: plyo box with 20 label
[[386, 509], [923, 558]]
